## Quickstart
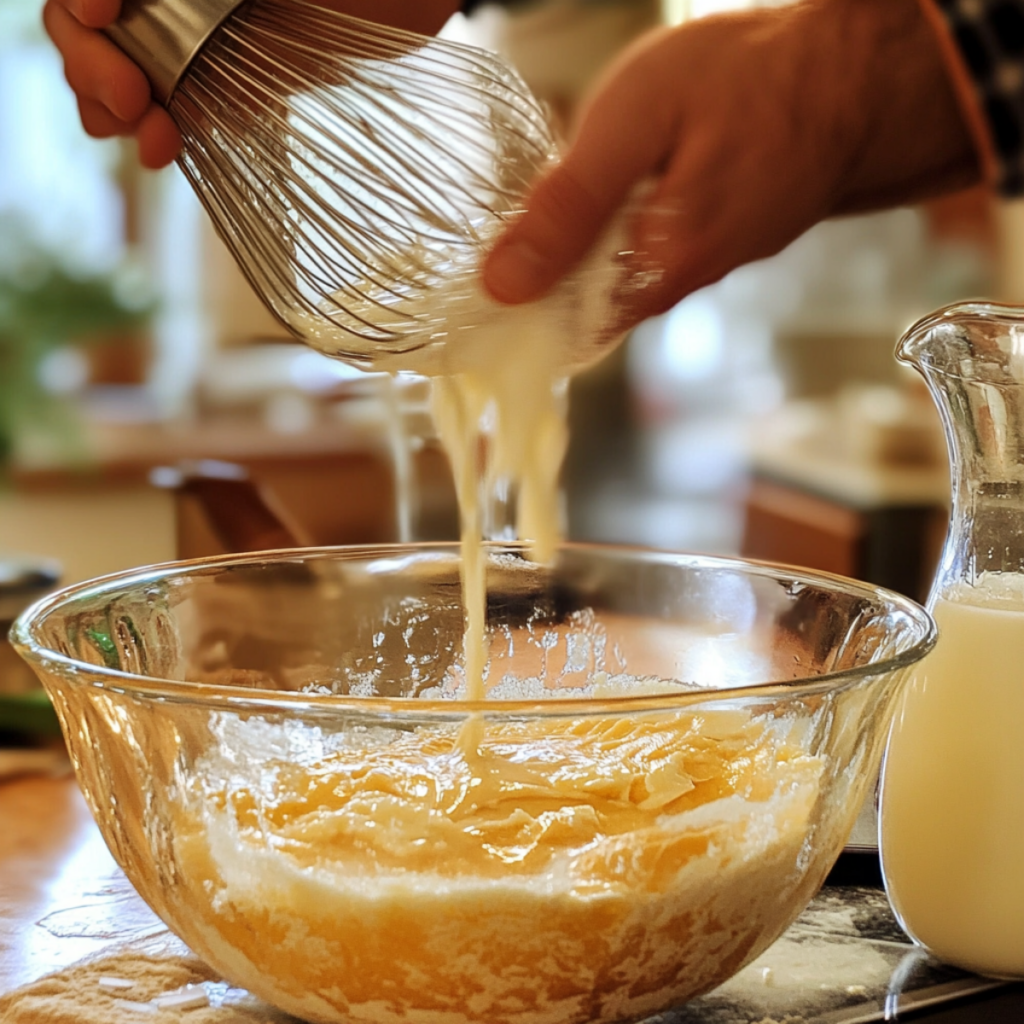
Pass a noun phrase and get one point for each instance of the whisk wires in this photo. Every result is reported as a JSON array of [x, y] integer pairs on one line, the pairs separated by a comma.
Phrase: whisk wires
[[351, 167]]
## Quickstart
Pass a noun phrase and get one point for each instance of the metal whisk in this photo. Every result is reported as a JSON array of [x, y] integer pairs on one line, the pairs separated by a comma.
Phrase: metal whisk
[[350, 168]]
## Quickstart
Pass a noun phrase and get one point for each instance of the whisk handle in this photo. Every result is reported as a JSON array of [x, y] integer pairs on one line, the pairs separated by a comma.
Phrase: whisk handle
[[163, 36]]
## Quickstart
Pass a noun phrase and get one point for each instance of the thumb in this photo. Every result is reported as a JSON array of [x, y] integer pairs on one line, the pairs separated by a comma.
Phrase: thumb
[[617, 145], [562, 218]]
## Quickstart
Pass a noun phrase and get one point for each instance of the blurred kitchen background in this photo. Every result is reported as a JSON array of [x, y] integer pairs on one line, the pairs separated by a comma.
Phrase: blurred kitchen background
[[763, 415]]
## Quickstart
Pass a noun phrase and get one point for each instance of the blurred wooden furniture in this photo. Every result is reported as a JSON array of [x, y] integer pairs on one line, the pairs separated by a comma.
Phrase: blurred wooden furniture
[[102, 514], [337, 477], [818, 502], [332, 498], [889, 545]]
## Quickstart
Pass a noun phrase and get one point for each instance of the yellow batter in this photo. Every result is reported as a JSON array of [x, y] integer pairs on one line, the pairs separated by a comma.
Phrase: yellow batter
[[563, 871]]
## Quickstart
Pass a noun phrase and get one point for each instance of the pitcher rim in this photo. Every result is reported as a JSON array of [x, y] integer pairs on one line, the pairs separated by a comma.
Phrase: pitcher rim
[[975, 309]]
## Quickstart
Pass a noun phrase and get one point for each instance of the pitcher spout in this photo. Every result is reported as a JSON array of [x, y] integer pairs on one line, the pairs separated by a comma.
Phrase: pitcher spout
[[979, 341]]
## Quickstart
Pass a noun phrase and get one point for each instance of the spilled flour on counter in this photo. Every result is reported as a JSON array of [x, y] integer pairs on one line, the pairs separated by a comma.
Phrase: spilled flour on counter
[[125, 987], [845, 932]]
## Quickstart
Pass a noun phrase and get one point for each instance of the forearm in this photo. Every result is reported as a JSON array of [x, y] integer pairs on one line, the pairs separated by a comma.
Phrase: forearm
[[906, 135]]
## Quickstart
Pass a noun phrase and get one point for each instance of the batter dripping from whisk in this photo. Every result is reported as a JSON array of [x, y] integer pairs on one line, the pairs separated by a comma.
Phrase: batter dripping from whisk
[[499, 382]]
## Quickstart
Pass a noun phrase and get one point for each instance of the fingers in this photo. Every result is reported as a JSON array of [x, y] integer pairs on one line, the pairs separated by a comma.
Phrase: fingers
[[622, 138], [714, 120], [99, 122], [562, 219], [95, 68], [724, 201], [681, 227], [113, 94], [158, 137]]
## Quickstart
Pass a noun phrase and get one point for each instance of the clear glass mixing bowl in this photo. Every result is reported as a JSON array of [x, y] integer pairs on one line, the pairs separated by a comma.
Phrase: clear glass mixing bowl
[[670, 756]]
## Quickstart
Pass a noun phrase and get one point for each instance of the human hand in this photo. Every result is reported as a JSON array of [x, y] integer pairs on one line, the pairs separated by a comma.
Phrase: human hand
[[114, 96], [112, 92], [751, 127]]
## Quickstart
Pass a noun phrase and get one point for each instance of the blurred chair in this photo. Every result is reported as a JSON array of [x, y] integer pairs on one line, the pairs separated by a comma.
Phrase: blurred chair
[[221, 508]]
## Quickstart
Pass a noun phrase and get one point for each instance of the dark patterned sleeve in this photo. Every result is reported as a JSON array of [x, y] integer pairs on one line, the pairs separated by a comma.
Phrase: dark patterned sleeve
[[984, 41]]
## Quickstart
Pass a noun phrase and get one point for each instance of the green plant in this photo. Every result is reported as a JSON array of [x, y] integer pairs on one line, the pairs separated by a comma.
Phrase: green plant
[[44, 307]]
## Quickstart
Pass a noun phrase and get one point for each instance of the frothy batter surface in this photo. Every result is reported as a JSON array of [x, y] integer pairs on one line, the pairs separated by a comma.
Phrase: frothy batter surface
[[565, 870]]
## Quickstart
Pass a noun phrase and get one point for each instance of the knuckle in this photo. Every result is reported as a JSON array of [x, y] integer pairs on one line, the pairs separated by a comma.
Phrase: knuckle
[[98, 13], [130, 101], [95, 124], [51, 17], [73, 76]]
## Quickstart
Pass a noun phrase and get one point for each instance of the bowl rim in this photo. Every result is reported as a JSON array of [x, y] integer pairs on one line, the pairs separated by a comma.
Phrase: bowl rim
[[241, 698]]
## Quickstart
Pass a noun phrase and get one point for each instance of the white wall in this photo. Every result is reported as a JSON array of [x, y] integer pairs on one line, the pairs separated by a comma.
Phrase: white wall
[[90, 532]]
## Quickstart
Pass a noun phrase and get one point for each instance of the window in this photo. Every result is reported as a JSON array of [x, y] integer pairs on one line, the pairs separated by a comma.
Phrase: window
[[60, 184]]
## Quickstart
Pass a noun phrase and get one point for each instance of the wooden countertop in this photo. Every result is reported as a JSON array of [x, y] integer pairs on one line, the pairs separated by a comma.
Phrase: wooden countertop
[[58, 883], [126, 452], [809, 444]]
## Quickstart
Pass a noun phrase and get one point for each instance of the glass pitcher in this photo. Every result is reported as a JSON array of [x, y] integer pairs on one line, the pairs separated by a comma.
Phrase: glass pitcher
[[952, 790]]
